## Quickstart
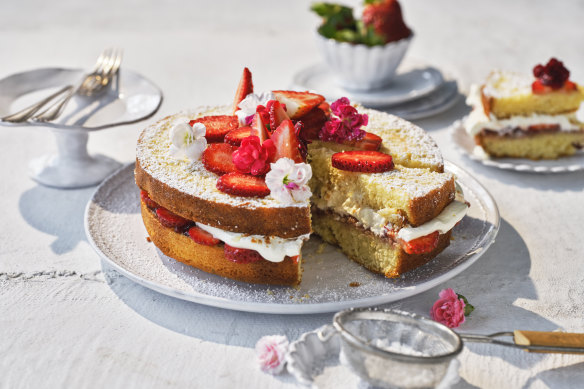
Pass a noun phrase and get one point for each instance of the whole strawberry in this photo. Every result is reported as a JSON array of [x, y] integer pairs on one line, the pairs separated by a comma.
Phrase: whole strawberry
[[385, 18]]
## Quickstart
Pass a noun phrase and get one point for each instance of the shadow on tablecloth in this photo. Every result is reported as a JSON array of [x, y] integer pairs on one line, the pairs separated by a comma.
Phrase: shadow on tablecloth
[[494, 285], [57, 212]]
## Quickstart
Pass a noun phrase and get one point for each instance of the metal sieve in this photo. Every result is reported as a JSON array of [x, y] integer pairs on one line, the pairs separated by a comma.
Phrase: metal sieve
[[397, 349]]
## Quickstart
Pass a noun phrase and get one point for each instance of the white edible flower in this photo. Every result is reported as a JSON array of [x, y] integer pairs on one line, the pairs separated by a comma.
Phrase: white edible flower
[[188, 142], [249, 105], [271, 352], [288, 181]]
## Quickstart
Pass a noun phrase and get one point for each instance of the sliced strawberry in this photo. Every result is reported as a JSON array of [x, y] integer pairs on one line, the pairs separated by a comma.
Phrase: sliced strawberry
[[217, 158], [538, 88], [325, 107], [239, 184], [242, 256], [264, 112], [171, 220], [298, 103], [234, 137], [364, 161], [286, 142], [313, 122], [544, 127], [368, 142], [570, 86], [258, 127], [147, 200], [217, 126], [244, 88], [422, 245], [202, 237], [277, 114]]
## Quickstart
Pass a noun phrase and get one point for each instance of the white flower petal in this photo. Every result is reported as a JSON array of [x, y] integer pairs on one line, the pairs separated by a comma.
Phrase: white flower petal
[[181, 135], [199, 130], [249, 104], [297, 173], [264, 97], [195, 149]]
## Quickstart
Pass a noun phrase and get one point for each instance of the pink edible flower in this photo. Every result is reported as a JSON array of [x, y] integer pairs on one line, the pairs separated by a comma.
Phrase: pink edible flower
[[271, 351], [347, 125], [449, 309], [253, 156]]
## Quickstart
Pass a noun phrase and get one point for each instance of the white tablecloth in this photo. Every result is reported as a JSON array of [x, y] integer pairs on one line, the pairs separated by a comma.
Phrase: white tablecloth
[[66, 321]]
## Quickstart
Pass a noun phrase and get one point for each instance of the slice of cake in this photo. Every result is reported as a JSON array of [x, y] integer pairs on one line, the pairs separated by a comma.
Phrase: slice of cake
[[523, 117], [236, 191]]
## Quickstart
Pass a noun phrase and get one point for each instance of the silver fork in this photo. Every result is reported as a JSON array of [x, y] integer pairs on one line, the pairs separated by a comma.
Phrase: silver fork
[[92, 84], [105, 62]]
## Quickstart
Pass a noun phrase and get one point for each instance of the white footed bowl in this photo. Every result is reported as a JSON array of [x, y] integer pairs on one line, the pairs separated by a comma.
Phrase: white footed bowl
[[360, 67]]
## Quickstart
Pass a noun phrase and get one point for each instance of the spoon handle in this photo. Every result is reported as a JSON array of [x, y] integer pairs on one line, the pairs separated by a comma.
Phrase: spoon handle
[[549, 339]]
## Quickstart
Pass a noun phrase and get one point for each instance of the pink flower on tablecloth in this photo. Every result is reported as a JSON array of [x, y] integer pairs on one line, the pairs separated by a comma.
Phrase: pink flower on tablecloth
[[346, 126], [450, 309], [271, 351]]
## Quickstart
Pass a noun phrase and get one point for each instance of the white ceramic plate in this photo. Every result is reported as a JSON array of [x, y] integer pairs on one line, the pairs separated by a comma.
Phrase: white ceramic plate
[[114, 228], [317, 363], [466, 145], [408, 84], [130, 99], [432, 104]]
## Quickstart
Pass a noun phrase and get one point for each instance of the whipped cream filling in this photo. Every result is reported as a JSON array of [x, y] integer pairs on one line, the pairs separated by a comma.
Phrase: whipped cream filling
[[444, 222], [477, 120], [272, 248]]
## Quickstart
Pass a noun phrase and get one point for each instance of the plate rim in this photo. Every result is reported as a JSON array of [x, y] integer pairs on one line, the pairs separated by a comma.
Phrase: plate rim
[[63, 127], [304, 308], [456, 130], [321, 66]]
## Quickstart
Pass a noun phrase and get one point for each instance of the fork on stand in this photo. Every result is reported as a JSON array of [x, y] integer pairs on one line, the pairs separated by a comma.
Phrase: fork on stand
[[106, 68]]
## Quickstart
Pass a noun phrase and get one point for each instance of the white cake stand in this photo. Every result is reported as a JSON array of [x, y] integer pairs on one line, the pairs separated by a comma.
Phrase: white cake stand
[[132, 98]]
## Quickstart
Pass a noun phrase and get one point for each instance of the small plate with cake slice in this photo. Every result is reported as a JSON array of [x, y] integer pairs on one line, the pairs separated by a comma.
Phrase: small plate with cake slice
[[284, 203], [523, 123]]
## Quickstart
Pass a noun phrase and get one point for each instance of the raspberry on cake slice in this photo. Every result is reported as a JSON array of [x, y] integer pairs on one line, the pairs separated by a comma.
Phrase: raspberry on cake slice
[[236, 190], [519, 116]]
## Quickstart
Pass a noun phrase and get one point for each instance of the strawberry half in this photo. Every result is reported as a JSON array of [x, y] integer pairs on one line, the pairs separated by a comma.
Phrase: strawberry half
[[234, 137], [277, 114], [242, 256], [147, 200], [202, 236], [171, 220], [422, 245], [258, 127], [364, 161], [298, 103], [313, 122], [244, 88], [286, 142], [217, 158], [217, 126], [239, 184], [540, 89], [368, 142]]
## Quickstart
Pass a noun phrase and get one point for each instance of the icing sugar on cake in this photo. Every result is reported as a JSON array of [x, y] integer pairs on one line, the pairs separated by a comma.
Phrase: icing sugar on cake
[[190, 177]]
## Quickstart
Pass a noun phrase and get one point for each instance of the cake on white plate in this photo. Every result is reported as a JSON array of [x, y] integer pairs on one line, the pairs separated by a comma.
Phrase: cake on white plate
[[518, 116], [236, 190]]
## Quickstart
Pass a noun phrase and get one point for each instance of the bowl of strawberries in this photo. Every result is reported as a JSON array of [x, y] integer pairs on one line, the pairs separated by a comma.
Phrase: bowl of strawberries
[[363, 47]]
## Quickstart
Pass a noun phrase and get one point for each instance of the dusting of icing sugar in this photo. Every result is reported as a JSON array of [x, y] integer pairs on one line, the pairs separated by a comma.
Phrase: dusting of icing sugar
[[190, 177], [407, 143], [507, 84]]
